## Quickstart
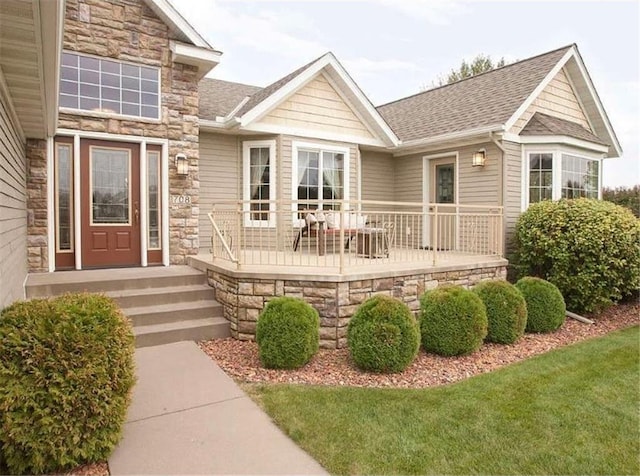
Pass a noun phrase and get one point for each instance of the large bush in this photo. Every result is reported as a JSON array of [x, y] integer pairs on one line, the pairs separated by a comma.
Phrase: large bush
[[506, 310], [587, 248], [287, 333], [453, 321], [66, 373], [383, 335], [546, 309]]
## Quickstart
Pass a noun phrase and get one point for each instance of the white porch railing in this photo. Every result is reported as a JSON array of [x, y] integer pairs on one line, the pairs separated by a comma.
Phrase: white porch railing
[[352, 234]]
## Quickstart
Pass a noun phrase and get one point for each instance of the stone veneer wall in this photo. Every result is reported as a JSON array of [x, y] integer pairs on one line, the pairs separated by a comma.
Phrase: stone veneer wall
[[37, 249], [129, 30], [336, 302]]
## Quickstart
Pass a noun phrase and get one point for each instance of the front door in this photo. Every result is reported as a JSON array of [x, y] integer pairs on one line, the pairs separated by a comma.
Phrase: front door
[[110, 203], [443, 183]]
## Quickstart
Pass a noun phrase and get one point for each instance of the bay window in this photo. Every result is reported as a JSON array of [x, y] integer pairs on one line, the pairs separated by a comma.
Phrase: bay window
[[552, 175]]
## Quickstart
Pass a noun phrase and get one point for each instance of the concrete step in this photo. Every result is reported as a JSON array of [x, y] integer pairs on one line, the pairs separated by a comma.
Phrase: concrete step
[[175, 312], [165, 295], [196, 329], [106, 280]]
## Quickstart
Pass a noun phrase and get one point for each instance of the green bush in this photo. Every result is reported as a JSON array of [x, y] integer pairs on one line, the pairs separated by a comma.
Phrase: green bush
[[546, 310], [587, 248], [66, 373], [383, 335], [453, 321], [506, 310], [287, 333]]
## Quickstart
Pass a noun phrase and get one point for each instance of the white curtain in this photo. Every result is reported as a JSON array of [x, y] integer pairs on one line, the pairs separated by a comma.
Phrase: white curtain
[[259, 162]]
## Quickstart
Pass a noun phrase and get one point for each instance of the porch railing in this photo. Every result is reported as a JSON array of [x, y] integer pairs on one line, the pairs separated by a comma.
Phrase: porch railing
[[352, 234]]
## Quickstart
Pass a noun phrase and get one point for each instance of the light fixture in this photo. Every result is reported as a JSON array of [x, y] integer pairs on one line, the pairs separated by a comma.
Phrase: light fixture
[[182, 164], [479, 158]]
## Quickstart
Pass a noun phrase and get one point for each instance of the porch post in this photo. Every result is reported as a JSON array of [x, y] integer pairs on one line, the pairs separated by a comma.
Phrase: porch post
[[144, 219], [77, 222], [434, 241]]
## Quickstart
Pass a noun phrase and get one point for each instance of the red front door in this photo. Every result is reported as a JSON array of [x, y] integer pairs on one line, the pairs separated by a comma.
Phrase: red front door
[[110, 203]]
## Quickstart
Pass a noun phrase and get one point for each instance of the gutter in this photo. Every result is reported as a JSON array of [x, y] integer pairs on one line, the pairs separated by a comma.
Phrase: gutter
[[417, 143]]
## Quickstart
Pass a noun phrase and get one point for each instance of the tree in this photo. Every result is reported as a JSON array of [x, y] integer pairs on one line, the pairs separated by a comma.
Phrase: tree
[[628, 197], [480, 64]]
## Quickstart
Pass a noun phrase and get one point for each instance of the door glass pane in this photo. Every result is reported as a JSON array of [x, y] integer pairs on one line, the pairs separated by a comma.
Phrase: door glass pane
[[153, 199], [64, 211], [445, 183], [110, 181]]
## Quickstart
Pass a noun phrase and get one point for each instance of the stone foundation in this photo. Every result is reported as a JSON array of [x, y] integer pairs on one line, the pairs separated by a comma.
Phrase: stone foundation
[[336, 300]]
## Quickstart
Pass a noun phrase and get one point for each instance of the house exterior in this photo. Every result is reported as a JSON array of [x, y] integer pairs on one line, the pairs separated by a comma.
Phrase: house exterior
[[116, 148]]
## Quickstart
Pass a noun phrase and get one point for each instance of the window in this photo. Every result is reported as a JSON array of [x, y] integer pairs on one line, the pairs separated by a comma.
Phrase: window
[[153, 199], [259, 183], [64, 197], [322, 174], [554, 175], [102, 85], [540, 177], [580, 177]]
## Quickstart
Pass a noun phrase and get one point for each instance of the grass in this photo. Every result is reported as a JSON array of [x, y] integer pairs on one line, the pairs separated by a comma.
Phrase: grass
[[570, 411]]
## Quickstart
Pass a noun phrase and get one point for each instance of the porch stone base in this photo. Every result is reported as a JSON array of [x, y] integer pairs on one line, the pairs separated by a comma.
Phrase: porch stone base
[[336, 300]]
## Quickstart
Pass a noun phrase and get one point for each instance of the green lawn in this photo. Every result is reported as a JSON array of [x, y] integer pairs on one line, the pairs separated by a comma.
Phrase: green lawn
[[571, 411]]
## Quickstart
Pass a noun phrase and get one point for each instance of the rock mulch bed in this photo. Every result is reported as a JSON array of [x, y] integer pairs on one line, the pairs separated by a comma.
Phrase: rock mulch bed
[[239, 359]]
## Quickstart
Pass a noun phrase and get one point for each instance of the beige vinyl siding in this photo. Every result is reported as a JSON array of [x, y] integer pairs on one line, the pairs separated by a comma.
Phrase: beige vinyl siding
[[318, 106], [13, 210], [513, 184], [220, 171], [557, 99], [378, 173]]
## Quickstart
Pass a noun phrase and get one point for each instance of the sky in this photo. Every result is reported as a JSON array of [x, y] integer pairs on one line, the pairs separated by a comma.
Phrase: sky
[[395, 48]]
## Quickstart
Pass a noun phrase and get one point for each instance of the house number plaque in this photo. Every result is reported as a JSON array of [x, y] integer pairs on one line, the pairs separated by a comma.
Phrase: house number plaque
[[180, 199]]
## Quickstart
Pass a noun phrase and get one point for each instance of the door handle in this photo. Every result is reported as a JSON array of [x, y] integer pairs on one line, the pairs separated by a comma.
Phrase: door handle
[[136, 213]]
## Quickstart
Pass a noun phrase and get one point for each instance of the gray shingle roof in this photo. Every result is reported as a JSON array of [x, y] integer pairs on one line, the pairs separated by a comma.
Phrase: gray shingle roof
[[219, 98], [482, 100], [263, 94], [544, 125]]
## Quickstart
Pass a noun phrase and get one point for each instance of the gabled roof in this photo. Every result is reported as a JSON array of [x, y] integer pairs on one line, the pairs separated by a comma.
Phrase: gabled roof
[[486, 99], [274, 87], [220, 98], [262, 101], [174, 20], [544, 125]]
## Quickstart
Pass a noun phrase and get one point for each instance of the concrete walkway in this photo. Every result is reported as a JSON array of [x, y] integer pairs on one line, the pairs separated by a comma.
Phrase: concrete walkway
[[189, 417]]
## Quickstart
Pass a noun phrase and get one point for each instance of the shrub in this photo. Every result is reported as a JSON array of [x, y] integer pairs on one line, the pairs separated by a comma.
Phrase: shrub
[[66, 373], [287, 333], [587, 248], [506, 311], [546, 310], [383, 335], [453, 321]]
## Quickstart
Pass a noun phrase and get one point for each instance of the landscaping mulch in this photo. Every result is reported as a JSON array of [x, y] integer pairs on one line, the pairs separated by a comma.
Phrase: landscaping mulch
[[96, 469], [239, 359]]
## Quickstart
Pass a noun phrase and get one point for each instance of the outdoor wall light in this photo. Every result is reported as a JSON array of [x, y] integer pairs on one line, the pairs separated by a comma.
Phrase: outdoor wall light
[[182, 164], [479, 158]]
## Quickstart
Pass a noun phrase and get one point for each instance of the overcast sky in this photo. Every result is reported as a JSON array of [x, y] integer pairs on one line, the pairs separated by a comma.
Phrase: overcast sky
[[393, 48]]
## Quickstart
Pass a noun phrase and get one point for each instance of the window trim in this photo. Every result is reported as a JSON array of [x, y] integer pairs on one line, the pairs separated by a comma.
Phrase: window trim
[[87, 112], [159, 200], [556, 152], [320, 148], [246, 183]]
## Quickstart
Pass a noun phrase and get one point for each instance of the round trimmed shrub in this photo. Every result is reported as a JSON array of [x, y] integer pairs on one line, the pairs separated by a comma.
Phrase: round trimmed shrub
[[66, 374], [546, 310], [383, 335], [288, 333], [506, 311], [588, 248], [453, 321]]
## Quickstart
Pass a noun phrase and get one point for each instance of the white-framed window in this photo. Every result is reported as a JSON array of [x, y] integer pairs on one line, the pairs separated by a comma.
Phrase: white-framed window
[[89, 83], [552, 174], [259, 183], [154, 206], [64, 196], [320, 173]]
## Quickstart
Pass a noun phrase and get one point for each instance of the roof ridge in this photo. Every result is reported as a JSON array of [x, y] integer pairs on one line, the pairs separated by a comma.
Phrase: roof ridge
[[231, 82], [478, 75]]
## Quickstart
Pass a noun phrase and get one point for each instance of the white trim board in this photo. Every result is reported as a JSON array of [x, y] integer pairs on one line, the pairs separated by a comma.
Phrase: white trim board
[[564, 140]]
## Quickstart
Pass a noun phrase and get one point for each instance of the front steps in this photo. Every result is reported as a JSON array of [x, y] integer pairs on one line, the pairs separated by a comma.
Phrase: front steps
[[165, 304]]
